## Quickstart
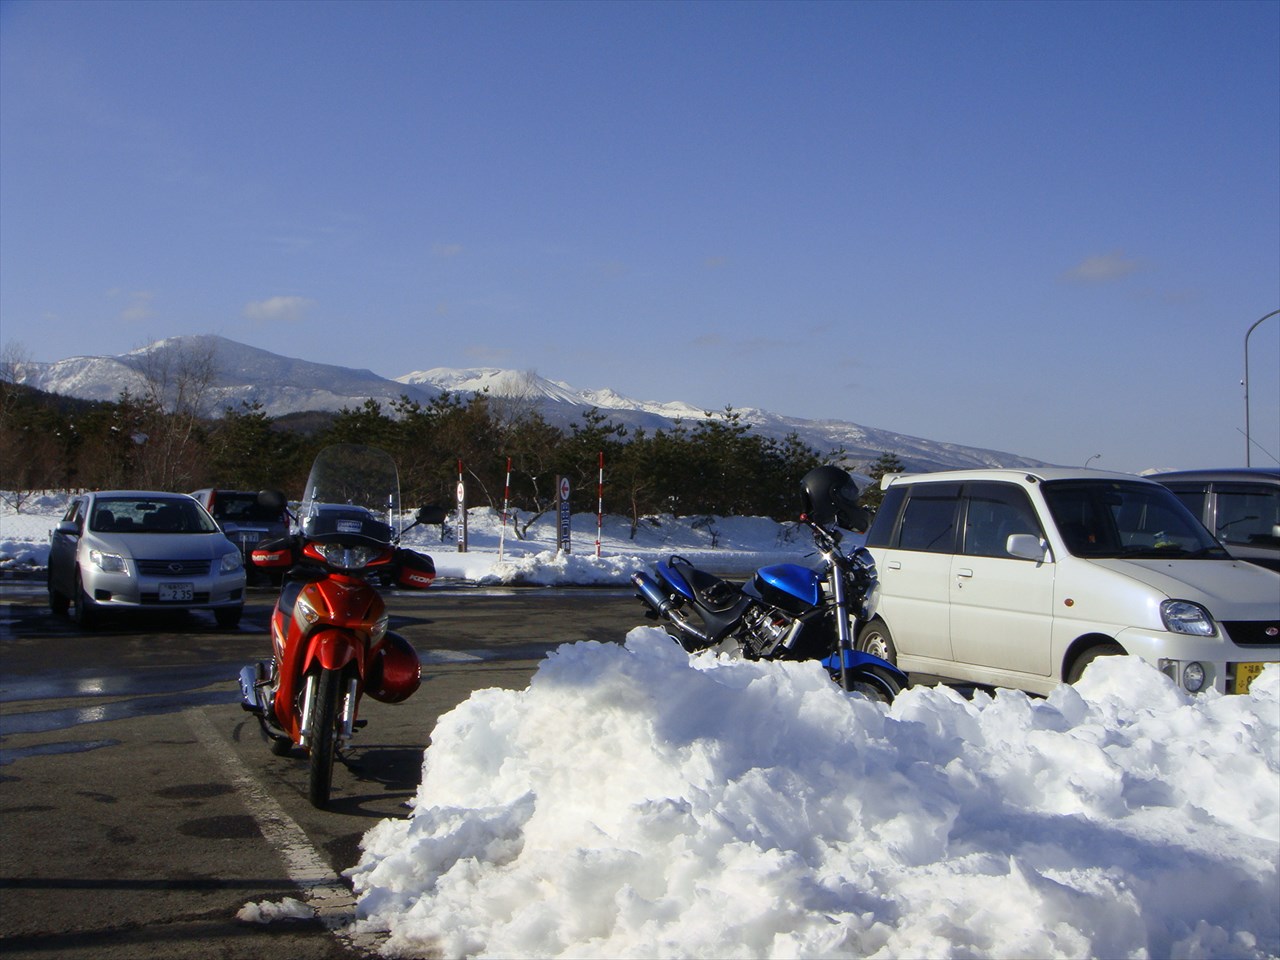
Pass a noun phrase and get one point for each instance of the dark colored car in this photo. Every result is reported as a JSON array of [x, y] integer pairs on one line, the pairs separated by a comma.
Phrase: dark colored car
[[1240, 506], [246, 517]]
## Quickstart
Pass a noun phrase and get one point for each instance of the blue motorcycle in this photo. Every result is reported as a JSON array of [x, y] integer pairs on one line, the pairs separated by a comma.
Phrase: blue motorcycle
[[786, 611]]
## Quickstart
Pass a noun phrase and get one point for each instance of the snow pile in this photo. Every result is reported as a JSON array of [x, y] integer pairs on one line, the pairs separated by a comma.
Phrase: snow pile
[[636, 802], [266, 911]]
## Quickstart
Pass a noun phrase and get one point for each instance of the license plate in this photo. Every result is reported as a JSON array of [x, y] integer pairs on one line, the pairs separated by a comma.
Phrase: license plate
[[250, 536], [177, 592], [1245, 672]]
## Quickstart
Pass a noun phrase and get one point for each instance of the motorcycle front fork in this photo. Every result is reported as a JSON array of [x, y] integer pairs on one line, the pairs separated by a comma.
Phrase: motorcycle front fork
[[347, 720]]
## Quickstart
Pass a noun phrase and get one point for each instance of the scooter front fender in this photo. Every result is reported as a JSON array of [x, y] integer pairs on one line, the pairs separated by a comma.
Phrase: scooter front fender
[[334, 649]]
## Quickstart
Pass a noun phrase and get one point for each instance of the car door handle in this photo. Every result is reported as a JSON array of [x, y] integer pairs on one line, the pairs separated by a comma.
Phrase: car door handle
[[894, 565], [964, 572]]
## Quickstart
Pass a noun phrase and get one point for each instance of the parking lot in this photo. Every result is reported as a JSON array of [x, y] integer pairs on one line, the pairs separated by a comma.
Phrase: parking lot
[[142, 809]]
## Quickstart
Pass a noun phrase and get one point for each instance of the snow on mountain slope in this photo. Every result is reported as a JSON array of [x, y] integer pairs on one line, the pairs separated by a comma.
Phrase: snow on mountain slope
[[285, 385]]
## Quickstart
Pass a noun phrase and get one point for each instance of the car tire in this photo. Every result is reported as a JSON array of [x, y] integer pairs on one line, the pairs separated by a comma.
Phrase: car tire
[[58, 603], [876, 640], [84, 610], [1090, 655], [228, 618]]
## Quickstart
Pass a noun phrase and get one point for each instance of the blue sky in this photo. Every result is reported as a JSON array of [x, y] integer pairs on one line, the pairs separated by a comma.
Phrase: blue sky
[[1036, 227]]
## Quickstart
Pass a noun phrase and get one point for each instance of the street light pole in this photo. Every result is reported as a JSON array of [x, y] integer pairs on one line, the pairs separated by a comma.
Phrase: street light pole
[[1091, 459], [1248, 443]]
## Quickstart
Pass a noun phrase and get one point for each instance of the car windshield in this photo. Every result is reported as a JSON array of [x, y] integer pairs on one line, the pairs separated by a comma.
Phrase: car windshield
[[1132, 520], [243, 508], [149, 515]]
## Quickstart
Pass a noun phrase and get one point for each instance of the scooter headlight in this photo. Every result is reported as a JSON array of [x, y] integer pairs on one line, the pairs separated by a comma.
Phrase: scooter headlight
[[346, 557], [379, 628]]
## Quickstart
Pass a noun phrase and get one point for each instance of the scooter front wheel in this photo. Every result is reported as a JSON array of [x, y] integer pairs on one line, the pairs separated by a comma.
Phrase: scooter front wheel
[[326, 711]]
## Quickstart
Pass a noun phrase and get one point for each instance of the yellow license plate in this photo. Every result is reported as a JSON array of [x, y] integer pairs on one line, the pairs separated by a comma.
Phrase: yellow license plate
[[1245, 672]]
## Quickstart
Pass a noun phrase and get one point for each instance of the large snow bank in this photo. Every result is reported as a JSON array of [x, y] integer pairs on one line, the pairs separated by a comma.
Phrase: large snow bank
[[635, 802]]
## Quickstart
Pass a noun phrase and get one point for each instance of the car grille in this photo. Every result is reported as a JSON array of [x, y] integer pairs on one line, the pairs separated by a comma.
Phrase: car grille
[[175, 568], [1254, 633]]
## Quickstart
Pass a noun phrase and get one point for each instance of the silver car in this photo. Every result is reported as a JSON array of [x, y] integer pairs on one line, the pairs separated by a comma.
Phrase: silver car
[[142, 549]]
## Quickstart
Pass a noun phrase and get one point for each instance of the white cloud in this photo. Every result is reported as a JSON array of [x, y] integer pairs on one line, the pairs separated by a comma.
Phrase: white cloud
[[1102, 268], [137, 306], [278, 309]]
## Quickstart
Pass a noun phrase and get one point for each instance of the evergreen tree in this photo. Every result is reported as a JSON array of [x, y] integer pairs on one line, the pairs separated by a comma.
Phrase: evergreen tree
[[884, 464]]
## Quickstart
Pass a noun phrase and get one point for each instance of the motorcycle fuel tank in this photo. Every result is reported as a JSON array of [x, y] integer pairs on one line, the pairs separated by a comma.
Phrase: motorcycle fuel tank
[[790, 586]]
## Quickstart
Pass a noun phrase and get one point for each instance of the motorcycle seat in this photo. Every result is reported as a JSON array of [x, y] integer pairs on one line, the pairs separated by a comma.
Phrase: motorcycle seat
[[715, 593]]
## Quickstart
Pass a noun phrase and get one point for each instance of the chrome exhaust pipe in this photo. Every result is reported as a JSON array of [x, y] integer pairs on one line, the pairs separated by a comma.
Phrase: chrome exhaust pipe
[[249, 698], [648, 591]]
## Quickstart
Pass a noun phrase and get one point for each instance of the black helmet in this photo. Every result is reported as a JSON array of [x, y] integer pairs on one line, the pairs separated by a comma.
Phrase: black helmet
[[829, 495]]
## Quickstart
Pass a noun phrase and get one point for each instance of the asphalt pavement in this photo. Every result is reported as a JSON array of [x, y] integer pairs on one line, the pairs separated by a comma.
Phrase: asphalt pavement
[[142, 810]]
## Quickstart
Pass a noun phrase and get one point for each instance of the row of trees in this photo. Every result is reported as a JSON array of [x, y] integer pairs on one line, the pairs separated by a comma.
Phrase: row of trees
[[157, 439]]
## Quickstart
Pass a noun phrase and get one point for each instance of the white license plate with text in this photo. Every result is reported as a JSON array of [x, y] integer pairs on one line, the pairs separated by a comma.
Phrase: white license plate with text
[[177, 592]]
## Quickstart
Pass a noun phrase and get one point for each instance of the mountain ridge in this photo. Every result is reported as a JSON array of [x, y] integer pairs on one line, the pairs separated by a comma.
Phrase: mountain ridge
[[284, 385]]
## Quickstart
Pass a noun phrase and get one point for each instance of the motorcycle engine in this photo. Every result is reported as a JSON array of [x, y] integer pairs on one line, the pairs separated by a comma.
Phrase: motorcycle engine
[[768, 628]]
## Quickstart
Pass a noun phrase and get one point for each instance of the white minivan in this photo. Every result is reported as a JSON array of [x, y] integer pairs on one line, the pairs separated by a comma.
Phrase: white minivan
[[1021, 578]]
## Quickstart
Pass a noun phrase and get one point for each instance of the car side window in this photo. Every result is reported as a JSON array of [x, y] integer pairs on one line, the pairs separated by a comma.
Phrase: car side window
[[880, 533], [1247, 514], [1192, 497], [993, 513], [929, 520]]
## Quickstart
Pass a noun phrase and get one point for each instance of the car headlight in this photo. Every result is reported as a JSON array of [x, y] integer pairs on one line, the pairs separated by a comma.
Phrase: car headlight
[[1183, 616], [346, 557], [231, 562], [108, 562]]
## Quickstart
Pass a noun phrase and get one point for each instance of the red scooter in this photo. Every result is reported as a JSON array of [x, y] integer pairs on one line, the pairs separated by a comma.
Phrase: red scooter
[[329, 637]]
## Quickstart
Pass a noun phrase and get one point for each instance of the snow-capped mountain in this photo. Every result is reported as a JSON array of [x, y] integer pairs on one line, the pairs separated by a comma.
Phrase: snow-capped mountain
[[285, 385]]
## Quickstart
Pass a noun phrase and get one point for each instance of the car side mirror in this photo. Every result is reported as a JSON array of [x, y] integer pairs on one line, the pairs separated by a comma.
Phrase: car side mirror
[[1025, 546], [68, 527]]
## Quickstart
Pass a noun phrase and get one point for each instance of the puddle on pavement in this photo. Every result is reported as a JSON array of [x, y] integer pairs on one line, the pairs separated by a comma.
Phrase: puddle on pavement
[[44, 721], [69, 683]]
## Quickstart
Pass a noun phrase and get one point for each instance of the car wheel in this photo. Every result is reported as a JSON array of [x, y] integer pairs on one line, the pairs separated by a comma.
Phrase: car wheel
[[876, 640], [57, 602], [1090, 655], [228, 618], [85, 611]]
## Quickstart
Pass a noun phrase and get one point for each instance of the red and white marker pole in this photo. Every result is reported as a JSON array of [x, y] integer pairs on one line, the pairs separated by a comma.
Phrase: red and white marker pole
[[600, 503], [506, 498]]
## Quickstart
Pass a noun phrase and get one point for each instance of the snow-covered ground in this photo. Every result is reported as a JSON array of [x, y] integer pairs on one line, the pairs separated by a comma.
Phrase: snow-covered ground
[[496, 556], [635, 802]]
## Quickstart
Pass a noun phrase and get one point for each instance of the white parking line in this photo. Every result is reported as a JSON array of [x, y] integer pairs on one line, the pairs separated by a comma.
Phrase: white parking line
[[324, 891]]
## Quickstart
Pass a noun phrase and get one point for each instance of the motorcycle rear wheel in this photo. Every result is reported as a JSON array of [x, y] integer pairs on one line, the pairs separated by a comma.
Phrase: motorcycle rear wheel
[[326, 710]]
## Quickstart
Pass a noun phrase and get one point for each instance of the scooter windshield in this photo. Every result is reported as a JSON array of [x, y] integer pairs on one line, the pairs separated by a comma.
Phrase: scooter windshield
[[352, 496]]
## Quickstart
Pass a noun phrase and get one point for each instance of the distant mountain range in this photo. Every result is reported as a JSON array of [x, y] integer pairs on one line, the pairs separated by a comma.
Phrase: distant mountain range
[[284, 385]]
